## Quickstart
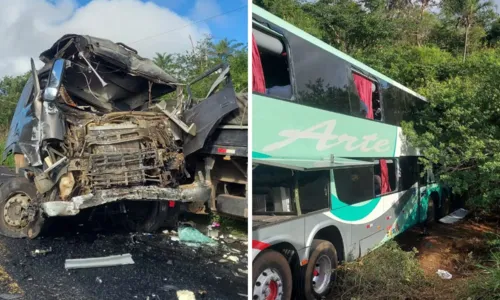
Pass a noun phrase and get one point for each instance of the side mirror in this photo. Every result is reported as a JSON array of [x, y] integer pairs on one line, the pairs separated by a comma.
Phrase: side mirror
[[55, 79]]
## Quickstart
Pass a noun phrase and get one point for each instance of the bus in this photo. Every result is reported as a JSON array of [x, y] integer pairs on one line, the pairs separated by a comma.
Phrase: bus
[[333, 175]]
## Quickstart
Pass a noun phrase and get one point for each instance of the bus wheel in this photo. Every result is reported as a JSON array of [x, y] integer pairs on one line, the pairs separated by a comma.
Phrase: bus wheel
[[272, 277], [16, 200], [431, 209], [320, 272]]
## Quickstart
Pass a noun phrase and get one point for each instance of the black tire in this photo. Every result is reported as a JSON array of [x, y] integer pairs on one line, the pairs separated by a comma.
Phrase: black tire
[[270, 259], [146, 216], [19, 185], [319, 248], [432, 208]]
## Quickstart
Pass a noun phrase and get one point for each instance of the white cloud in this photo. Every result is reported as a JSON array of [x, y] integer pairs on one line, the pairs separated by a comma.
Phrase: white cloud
[[27, 27], [204, 9]]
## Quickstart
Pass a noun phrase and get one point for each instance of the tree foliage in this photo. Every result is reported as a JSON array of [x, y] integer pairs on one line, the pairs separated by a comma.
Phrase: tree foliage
[[204, 55]]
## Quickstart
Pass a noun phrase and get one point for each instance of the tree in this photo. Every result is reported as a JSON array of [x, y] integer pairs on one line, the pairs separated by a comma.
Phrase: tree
[[466, 13]]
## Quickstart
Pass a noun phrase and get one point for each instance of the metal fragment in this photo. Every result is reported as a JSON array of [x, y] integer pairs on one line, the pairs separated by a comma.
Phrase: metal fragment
[[97, 262]]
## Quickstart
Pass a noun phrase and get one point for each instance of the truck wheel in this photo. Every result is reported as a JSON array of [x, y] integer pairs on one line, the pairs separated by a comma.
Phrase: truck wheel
[[319, 275], [272, 277], [145, 216], [16, 196]]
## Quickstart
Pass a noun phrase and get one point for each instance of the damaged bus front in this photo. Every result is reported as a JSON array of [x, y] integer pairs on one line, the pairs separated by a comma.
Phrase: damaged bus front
[[88, 131]]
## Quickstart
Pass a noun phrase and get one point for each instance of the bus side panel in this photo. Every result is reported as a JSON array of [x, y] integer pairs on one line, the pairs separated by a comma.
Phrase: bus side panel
[[290, 231], [315, 222], [402, 210]]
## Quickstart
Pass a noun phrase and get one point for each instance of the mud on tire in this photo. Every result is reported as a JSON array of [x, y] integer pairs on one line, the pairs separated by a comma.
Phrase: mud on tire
[[271, 276]]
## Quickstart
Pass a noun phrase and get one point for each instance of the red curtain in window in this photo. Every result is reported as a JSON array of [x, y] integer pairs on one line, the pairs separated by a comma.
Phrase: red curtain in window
[[384, 176], [364, 87], [258, 84]]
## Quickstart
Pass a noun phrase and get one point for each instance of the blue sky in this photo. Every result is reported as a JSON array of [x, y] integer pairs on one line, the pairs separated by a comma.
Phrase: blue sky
[[233, 26], [28, 27]]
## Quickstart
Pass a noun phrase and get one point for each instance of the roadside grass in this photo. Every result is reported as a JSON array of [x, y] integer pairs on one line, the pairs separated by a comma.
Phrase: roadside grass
[[486, 285], [237, 228], [386, 273], [390, 272]]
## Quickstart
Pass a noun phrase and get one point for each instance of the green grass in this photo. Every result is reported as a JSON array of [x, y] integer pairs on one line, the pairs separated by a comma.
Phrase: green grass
[[386, 273], [486, 285]]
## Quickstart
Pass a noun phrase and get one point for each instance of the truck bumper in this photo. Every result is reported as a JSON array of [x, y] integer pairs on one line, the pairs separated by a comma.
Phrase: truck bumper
[[232, 205], [195, 192]]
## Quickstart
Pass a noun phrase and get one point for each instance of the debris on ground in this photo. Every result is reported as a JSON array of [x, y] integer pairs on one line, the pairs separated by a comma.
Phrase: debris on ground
[[444, 274], [10, 296], [215, 224], [185, 295], [243, 271], [168, 288], [174, 238], [233, 258], [455, 216], [242, 295], [169, 262], [98, 280], [38, 252], [96, 262], [192, 235]]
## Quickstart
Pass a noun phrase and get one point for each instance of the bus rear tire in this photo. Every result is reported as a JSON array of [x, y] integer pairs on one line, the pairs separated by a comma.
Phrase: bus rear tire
[[319, 275], [272, 276]]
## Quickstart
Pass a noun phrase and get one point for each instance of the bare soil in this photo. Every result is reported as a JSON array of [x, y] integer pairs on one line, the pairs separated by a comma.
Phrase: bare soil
[[457, 248]]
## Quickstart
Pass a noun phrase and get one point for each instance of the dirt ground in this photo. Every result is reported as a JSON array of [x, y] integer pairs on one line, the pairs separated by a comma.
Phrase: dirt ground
[[456, 248]]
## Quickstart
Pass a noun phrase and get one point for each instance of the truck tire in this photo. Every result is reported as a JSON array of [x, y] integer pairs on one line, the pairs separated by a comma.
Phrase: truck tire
[[146, 216], [16, 196], [319, 275], [272, 277]]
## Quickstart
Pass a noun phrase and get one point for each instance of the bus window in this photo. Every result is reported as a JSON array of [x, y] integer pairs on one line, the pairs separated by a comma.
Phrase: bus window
[[321, 78], [272, 190], [274, 60], [313, 191], [409, 171], [392, 177], [369, 96], [354, 185]]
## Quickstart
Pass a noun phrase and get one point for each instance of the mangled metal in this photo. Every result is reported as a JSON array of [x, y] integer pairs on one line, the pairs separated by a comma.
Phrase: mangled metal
[[91, 130]]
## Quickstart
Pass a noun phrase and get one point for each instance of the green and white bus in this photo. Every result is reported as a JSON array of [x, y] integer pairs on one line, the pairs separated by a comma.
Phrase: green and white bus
[[333, 176]]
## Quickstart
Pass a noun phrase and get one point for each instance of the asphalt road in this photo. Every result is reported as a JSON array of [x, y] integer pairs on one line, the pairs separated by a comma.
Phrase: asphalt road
[[162, 266]]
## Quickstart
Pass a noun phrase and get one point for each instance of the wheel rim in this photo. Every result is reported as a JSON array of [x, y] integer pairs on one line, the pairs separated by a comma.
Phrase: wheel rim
[[15, 210], [268, 286], [322, 274]]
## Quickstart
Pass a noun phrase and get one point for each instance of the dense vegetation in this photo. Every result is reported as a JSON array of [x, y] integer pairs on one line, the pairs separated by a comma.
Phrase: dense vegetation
[[184, 66], [447, 51]]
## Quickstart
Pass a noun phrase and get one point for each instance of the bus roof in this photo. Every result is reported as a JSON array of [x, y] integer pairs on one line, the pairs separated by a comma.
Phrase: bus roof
[[285, 25]]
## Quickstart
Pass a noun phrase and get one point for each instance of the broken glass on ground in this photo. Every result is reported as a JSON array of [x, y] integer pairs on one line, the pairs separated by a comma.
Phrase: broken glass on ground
[[193, 237]]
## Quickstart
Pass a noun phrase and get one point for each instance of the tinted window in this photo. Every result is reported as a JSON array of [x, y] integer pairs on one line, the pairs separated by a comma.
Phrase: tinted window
[[354, 184], [321, 78], [393, 105], [313, 191], [391, 171], [409, 171], [272, 190]]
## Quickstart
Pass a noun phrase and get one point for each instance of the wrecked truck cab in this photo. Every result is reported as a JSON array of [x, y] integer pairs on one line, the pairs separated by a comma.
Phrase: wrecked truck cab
[[89, 130]]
